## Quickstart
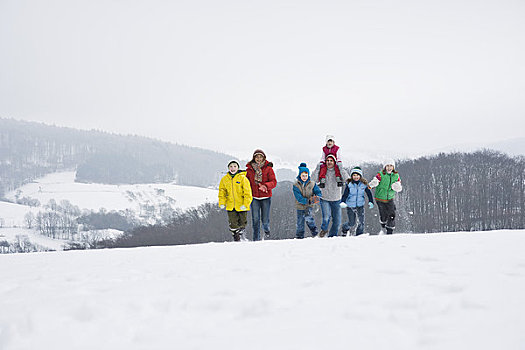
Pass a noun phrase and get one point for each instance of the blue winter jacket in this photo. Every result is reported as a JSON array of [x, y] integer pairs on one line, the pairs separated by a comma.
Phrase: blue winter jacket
[[354, 195]]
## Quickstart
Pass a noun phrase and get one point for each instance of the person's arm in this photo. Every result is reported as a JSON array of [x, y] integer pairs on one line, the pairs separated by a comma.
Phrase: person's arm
[[369, 195], [345, 194], [315, 174], [317, 191], [375, 181], [247, 192], [272, 180], [298, 196]]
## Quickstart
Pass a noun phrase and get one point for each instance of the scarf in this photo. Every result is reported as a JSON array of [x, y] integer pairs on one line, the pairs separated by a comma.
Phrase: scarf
[[258, 172]]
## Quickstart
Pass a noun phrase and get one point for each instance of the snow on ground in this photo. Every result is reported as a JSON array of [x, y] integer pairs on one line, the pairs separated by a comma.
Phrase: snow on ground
[[406, 291], [62, 186], [12, 215], [9, 234]]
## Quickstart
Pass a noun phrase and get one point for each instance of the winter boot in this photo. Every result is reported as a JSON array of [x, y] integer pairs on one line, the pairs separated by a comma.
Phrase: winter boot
[[322, 182], [339, 181], [267, 235], [323, 233], [236, 236]]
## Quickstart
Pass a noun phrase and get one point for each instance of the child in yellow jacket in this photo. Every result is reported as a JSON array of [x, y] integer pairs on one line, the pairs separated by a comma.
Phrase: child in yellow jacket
[[235, 195]]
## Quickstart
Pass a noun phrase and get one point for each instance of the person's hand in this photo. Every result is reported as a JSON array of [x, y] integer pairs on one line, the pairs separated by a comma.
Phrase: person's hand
[[396, 186], [222, 206], [374, 182], [243, 207], [263, 188], [343, 205], [314, 199], [370, 205]]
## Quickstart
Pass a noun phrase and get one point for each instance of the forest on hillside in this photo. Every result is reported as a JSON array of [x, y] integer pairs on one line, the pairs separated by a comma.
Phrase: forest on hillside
[[31, 150], [483, 190]]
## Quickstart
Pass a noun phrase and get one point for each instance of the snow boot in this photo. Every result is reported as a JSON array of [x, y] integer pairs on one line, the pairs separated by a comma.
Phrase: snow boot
[[323, 233], [322, 182], [339, 181]]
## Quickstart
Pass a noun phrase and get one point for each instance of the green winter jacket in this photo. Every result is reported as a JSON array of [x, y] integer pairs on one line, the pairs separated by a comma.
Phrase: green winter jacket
[[384, 191]]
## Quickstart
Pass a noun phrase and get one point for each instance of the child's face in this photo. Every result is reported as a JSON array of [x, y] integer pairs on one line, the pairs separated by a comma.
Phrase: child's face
[[356, 177], [233, 167], [330, 143], [389, 168], [304, 176]]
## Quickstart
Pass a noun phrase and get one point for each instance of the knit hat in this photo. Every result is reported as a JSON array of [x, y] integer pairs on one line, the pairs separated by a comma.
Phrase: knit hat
[[303, 169], [329, 137], [258, 151], [356, 170], [331, 156], [389, 162], [233, 161]]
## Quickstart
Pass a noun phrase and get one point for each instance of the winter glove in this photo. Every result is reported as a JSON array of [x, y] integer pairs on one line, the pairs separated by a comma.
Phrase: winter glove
[[243, 207], [222, 206], [396, 186], [313, 200], [370, 205], [373, 183], [343, 205], [263, 188]]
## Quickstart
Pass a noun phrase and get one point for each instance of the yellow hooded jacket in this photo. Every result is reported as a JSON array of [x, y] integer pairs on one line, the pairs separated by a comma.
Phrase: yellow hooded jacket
[[234, 192]]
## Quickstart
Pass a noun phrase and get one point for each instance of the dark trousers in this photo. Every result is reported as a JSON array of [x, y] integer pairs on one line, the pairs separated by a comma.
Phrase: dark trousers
[[387, 215], [237, 220]]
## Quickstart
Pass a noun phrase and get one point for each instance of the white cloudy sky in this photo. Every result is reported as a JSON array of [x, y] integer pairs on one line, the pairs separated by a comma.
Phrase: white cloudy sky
[[235, 75]]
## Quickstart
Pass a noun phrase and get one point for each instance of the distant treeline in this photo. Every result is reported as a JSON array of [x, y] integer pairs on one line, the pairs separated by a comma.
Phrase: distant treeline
[[448, 192], [31, 150]]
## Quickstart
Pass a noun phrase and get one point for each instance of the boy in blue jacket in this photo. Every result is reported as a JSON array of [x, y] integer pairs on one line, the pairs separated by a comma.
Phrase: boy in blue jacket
[[354, 201], [306, 194]]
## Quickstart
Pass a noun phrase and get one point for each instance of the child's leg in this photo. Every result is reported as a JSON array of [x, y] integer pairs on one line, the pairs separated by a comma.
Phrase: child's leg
[[383, 214], [233, 221], [337, 171], [310, 221], [351, 217], [391, 216], [360, 211], [299, 228], [322, 171]]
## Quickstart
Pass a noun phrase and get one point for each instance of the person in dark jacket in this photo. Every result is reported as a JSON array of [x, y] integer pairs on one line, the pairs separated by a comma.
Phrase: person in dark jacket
[[306, 194], [354, 201], [262, 180]]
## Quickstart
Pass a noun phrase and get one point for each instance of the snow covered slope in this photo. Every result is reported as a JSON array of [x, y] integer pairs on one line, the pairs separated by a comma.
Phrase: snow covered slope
[[62, 186], [435, 291]]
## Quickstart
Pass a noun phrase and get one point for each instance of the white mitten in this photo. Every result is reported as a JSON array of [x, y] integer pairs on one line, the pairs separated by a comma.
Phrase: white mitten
[[373, 183], [396, 186], [222, 206], [243, 207], [343, 205]]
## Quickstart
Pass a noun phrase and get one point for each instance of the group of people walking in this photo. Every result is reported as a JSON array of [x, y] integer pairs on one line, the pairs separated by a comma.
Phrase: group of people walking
[[330, 185]]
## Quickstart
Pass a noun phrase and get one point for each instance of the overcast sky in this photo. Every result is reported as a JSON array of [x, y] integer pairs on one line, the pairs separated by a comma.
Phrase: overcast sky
[[384, 77]]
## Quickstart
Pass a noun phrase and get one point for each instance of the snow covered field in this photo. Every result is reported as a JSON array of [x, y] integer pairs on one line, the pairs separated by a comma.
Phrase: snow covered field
[[62, 186], [435, 291]]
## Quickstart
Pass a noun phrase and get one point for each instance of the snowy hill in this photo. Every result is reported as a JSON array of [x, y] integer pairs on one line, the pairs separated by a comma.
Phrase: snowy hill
[[62, 186], [435, 291]]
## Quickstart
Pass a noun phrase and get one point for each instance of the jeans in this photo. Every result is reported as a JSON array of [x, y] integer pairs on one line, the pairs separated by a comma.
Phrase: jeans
[[302, 216], [260, 208], [352, 213], [331, 210]]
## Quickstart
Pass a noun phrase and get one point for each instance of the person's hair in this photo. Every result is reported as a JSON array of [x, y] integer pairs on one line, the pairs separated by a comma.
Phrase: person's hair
[[393, 171], [362, 179]]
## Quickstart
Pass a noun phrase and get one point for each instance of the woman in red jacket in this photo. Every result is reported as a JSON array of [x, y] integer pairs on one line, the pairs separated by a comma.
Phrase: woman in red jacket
[[262, 180]]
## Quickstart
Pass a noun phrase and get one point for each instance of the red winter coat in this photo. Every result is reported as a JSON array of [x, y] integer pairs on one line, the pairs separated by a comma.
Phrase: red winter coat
[[268, 179]]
